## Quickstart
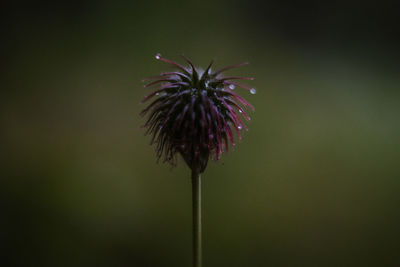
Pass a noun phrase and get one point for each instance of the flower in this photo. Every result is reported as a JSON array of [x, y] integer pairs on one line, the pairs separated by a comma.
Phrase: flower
[[195, 113]]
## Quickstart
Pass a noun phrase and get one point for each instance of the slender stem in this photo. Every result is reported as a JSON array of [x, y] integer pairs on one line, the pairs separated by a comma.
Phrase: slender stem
[[196, 201]]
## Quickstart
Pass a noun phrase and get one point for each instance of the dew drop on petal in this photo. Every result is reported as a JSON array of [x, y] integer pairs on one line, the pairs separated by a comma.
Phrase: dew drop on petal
[[158, 56], [157, 94], [253, 91], [240, 111], [240, 127], [232, 86]]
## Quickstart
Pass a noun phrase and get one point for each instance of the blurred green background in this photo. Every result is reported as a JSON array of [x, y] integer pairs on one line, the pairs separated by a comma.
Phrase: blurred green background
[[315, 181]]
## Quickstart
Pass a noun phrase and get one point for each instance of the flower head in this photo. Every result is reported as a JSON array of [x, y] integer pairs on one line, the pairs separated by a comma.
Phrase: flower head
[[195, 113]]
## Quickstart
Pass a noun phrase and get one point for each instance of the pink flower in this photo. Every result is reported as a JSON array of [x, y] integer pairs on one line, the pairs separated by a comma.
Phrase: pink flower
[[195, 113]]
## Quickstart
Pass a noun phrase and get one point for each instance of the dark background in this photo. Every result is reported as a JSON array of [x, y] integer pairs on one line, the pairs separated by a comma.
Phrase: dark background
[[315, 182]]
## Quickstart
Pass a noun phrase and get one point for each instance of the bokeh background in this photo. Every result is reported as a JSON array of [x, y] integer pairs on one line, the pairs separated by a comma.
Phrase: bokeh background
[[314, 182]]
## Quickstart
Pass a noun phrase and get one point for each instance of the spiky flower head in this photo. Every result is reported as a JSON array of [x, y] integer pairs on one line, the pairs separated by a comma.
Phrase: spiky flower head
[[195, 113]]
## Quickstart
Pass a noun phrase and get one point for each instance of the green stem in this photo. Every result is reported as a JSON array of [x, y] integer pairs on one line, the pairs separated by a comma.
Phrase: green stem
[[196, 201]]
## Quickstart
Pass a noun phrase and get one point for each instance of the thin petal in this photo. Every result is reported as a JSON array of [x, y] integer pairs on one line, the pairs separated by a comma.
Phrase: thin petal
[[229, 68]]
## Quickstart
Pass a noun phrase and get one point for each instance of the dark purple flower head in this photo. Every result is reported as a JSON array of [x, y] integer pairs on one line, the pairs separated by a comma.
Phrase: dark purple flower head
[[195, 112]]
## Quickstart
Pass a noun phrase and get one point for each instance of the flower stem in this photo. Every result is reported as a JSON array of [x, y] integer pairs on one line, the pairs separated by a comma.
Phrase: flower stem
[[196, 202]]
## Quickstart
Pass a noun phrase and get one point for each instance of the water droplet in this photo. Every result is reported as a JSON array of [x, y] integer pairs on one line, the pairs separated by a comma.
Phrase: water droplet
[[158, 56], [240, 111], [253, 91], [240, 127], [232, 86], [157, 94]]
